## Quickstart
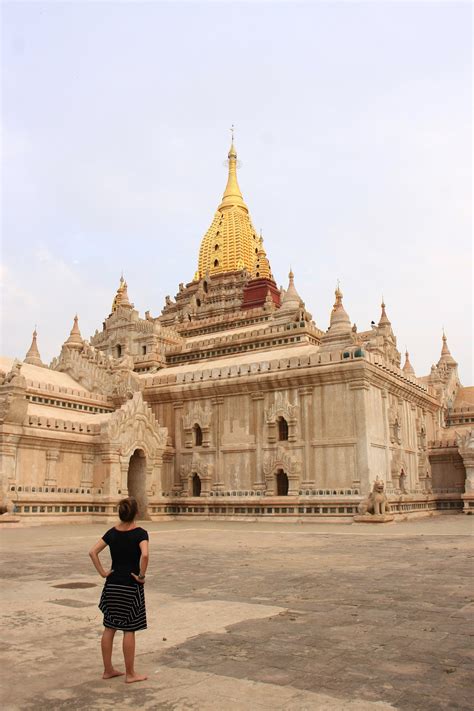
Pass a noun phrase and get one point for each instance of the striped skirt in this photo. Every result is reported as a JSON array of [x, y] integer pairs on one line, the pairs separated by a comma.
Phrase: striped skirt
[[123, 607]]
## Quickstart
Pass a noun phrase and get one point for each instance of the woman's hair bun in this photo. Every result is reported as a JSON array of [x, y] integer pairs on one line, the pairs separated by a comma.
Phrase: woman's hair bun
[[128, 509]]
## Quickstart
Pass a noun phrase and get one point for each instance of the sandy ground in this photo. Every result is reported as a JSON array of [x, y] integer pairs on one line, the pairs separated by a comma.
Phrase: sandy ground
[[254, 616]]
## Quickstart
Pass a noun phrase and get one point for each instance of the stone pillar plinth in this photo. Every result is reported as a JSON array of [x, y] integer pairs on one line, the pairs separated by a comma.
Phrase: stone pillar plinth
[[124, 466], [156, 485], [87, 473], [52, 456], [8, 451], [112, 478]]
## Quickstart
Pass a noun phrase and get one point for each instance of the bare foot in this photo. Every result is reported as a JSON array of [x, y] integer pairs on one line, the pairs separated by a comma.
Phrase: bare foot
[[111, 674], [130, 679]]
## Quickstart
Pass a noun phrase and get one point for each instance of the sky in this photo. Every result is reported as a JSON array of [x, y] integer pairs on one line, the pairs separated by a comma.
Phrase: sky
[[353, 128]]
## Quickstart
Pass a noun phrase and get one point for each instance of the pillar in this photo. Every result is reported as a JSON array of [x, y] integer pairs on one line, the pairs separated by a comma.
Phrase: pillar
[[112, 478], [178, 420], [87, 474], [359, 390], [259, 483], [219, 479], [52, 456], [306, 399]]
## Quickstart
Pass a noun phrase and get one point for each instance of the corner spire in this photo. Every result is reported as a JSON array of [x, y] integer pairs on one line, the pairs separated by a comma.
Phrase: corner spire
[[232, 195], [124, 300], [75, 339], [33, 357], [340, 321], [118, 295], [384, 320], [408, 368], [291, 300], [261, 268], [446, 356]]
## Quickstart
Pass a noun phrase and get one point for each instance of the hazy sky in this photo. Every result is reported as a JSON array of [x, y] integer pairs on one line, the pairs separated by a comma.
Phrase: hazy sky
[[353, 125]]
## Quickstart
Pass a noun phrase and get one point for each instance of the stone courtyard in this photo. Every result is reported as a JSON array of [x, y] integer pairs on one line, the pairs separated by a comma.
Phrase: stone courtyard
[[253, 616]]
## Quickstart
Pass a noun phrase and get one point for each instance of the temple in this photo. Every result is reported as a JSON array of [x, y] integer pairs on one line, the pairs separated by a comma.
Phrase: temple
[[232, 402]]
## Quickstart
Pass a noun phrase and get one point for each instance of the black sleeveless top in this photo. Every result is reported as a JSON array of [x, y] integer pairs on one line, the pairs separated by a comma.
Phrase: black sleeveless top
[[125, 551]]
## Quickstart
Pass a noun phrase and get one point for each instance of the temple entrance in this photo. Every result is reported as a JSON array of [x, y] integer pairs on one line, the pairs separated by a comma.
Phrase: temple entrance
[[136, 481], [281, 483], [196, 485]]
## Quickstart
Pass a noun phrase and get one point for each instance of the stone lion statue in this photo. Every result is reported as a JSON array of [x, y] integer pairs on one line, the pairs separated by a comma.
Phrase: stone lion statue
[[376, 502]]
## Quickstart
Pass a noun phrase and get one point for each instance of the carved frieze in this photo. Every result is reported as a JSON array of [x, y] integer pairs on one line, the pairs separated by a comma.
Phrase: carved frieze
[[134, 426], [200, 415], [281, 407], [197, 414], [278, 459]]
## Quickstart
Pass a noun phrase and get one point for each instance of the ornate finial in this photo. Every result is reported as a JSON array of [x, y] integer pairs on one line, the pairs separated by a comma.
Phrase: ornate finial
[[33, 357], [408, 368], [384, 320], [232, 129], [446, 356], [75, 338]]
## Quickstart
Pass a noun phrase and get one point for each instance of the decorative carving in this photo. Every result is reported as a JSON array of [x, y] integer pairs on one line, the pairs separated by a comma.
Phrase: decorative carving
[[13, 402], [197, 415], [402, 480], [465, 442], [282, 407], [196, 465], [394, 420], [98, 372], [134, 426], [281, 459]]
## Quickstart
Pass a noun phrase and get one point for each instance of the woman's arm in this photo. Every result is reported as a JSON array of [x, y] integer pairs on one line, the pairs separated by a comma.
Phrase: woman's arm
[[94, 556], [143, 562]]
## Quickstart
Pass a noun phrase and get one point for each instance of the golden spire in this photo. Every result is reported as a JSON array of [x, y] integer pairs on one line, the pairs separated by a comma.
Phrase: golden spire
[[232, 194], [75, 338], [261, 268], [118, 295], [124, 300], [33, 357], [231, 243]]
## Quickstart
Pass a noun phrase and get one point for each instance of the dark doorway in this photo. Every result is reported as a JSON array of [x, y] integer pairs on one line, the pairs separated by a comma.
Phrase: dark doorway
[[196, 485], [197, 436], [282, 429], [136, 481], [282, 483]]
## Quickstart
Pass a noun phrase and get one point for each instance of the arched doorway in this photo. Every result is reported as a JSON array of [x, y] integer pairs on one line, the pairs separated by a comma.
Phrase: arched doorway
[[281, 483], [196, 485], [136, 481]]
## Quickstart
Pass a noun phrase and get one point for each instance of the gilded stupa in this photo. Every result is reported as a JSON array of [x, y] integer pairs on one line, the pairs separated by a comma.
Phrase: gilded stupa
[[231, 242]]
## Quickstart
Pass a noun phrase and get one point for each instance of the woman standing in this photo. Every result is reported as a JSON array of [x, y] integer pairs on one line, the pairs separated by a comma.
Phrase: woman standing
[[123, 597]]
